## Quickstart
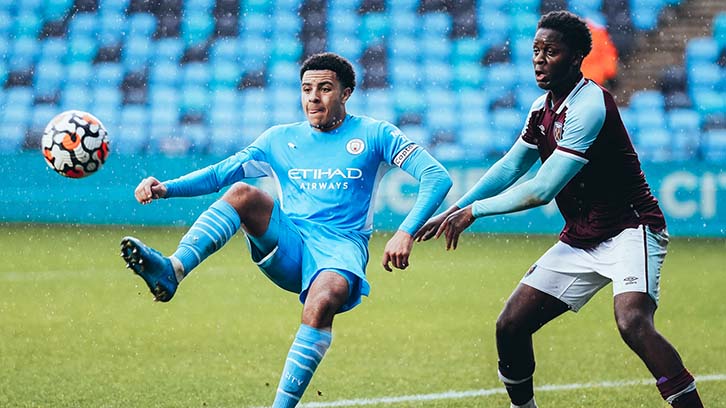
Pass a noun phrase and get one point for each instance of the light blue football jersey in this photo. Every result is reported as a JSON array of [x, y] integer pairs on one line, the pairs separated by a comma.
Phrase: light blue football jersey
[[325, 178]]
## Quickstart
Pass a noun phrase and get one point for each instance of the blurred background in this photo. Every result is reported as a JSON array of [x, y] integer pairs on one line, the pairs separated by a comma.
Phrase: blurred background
[[185, 79]]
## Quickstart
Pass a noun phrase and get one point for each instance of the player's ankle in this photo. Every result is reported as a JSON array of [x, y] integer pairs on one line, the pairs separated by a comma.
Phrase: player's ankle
[[529, 404], [178, 268]]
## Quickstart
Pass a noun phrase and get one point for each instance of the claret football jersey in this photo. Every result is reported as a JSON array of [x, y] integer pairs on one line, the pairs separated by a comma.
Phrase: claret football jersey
[[610, 193]]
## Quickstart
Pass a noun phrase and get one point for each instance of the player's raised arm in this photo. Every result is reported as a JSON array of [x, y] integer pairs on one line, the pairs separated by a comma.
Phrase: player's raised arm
[[434, 184], [551, 178], [507, 170]]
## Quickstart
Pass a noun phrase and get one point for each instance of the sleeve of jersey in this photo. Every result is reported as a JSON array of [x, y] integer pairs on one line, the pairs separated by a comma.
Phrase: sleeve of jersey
[[214, 177], [507, 170], [551, 178], [583, 123], [434, 184]]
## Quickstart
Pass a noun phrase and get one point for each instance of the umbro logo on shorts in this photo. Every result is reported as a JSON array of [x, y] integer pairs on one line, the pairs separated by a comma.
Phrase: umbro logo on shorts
[[630, 280]]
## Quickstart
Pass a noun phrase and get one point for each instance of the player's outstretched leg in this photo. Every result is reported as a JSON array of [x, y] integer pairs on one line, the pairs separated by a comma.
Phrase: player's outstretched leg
[[155, 269], [525, 312], [634, 313]]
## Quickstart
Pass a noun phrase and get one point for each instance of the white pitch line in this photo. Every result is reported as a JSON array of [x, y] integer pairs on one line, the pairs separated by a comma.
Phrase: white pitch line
[[492, 391]]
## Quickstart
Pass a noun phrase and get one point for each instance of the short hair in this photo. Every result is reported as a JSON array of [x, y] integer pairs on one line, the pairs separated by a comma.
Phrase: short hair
[[575, 32], [334, 62]]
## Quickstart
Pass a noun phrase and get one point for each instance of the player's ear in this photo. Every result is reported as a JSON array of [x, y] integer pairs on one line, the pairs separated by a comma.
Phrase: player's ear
[[346, 94]]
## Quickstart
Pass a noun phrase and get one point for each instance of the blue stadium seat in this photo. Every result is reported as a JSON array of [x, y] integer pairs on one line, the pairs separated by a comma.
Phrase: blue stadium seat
[[408, 100], [56, 9], [18, 96], [501, 78], [644, 13], [83, 25], [407, 23], [701, 50], [27, 24], [628, 117], [198, 6], [133, 133], [107, 96], [42, 114], [524, 24], [650, 120], [82, 49], [19, 115], [255, 52], [6, 24], [404, 73], [196, 74], [442, 117], [404, 47], [113, 6], [719, 29], [704, 76], [714, 145], [165, 74], [480, 142], [342, 22], [196, 27], [25, 51], [286, 48], [685, 127], [438, 74], [51, 49], [350, 46], [435, 49], [225, 140], [707, 101], [654, 144], [436, 25], [223, 50], [225, 74], [285, 23], [141, 25], [169, 49], [284, 74], [506, 124], [109, 23], [137, 53], [109, 74], [645, 101], [194, 99], [417, 133], [80, 74], [493, 26], [374, 27], [12, 136], [48, 79], [76, 96], [469, 76], [468, 50]]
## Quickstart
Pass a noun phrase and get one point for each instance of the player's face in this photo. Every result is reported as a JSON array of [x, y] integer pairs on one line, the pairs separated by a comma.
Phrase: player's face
[[323, 99], [555, 66]]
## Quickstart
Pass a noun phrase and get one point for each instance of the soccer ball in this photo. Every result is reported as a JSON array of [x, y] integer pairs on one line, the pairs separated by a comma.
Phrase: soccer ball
[[75, 144]]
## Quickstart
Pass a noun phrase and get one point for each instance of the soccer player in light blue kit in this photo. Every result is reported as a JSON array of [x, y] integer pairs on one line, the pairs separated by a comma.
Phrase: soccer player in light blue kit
[[313, 239]]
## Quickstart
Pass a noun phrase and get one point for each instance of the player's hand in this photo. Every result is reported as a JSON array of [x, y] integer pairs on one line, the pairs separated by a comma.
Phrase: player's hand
[[397, 251], [454, 225], [429, 229], [149, 190]]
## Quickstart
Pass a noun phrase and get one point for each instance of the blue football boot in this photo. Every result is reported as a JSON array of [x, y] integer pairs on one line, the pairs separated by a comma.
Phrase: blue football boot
[[154, 268]]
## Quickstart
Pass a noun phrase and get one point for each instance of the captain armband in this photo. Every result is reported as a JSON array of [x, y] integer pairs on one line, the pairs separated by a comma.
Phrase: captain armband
[[404, 154]]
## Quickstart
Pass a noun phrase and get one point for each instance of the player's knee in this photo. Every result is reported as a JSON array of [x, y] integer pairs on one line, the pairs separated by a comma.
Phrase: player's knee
[[242, 195], [634, 325], [508, 327]]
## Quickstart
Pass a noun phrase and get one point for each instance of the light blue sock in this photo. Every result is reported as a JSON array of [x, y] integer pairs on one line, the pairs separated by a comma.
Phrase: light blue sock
[[207, 235], [307, 350]]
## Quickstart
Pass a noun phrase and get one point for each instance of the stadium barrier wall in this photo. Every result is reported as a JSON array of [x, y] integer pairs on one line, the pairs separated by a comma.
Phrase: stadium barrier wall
[[692, 195]]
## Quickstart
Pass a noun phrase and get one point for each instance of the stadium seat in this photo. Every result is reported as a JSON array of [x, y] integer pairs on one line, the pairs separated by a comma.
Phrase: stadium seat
[[12, 136], [685, 127], [701, 50], [714, 145], [646, 101], [719, 29], [654, 144], [417, 133], [83, 25], [27, 24]]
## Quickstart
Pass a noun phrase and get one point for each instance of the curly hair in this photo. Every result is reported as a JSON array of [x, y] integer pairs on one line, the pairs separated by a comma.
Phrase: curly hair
[[334, 62], [575, 32]]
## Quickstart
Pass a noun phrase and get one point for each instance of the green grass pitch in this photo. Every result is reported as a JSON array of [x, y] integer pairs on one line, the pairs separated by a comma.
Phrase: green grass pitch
[[79, 330]]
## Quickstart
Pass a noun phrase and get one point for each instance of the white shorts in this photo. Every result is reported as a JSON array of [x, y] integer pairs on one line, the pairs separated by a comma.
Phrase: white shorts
[[631, 260]]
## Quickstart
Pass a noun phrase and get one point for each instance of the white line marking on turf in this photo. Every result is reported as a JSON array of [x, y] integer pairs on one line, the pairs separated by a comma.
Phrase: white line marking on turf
[[492, 391]]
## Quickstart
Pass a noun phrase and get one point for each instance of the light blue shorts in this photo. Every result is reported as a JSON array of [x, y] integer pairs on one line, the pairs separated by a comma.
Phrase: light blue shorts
[[293, 254]]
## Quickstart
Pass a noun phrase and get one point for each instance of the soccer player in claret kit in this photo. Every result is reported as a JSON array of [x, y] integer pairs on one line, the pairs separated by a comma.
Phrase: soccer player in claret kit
[[313, 239], [614, 230]]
